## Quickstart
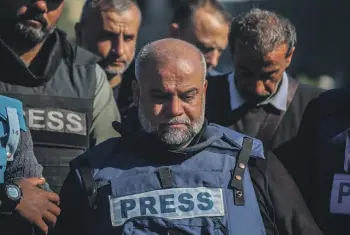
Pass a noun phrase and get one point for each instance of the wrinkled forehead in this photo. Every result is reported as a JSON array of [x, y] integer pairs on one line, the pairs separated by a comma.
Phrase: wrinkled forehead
[[176, 71], [112, 19]]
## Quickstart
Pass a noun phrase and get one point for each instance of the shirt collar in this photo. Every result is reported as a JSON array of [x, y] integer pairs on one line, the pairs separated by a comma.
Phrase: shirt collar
[[279, 100]]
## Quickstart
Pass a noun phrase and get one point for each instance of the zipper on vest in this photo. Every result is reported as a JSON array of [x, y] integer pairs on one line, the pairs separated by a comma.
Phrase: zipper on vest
[[223, 228]]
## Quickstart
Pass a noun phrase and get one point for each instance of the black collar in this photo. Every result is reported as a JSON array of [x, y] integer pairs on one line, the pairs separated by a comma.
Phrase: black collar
[[42, 68]]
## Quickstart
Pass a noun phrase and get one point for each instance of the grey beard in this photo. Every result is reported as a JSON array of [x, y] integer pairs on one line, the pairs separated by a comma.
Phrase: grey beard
[[32, 35], [114, 72], [172, 137]]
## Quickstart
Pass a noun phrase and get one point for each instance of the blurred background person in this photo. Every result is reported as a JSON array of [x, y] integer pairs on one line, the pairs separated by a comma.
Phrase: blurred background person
[[109, 28], [205, 24]]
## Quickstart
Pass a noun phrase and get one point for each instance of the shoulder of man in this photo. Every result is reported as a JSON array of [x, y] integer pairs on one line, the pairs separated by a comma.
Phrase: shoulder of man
[[307, 90], [218, 78], [330, 103], [96, 156], [279, 198], [76, 54]]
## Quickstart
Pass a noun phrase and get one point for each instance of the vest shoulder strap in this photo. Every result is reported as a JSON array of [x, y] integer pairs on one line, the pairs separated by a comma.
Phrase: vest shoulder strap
[[94, 159], [238, 173]]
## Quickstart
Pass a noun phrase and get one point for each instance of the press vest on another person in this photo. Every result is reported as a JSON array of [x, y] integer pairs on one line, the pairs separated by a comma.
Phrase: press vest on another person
[[58, 105], [209, 192], [12, 123]]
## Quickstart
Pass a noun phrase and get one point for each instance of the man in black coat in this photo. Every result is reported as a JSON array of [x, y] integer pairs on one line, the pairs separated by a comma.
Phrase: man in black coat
[[323, 154], [259, 99]]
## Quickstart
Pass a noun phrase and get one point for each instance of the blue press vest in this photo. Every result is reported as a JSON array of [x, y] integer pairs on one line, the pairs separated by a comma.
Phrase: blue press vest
[[133, 200], [12, 122]]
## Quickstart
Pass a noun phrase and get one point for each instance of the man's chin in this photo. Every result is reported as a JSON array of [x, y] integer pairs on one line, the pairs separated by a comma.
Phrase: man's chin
[[256, 99], [31, 34], [113, 72]]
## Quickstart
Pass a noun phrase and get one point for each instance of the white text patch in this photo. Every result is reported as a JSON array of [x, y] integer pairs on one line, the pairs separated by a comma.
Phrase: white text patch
[[174, 203], [340, 197]]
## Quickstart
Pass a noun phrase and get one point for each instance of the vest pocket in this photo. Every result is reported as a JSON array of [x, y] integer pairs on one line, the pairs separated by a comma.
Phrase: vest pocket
[[202, 225]]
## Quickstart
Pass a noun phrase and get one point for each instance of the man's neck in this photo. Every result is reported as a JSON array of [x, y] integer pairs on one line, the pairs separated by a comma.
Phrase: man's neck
[[26, 54], [115, 81]]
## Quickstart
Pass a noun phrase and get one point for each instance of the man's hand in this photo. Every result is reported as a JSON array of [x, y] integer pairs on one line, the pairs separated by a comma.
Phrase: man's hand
[[37, 205]]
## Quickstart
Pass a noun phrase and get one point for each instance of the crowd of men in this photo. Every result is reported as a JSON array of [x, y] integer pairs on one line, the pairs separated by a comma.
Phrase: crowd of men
[[98, 141]]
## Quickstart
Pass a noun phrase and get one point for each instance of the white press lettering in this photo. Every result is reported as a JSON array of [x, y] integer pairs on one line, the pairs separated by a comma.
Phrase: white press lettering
[[36, 118], [175, 203], [74, 123], [340, 196], [55, 121]]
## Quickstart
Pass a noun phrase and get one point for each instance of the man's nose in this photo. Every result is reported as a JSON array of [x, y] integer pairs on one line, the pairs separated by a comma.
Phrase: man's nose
[[119, 47], [175, 107], [212, 59]]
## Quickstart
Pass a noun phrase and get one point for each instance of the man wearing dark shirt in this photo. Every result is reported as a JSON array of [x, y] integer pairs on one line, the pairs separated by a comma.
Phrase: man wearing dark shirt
[[259, 98], [323, 153]]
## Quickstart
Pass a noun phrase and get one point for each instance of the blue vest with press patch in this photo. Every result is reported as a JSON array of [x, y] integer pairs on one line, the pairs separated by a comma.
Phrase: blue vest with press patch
[[12, 122], [136, 197]]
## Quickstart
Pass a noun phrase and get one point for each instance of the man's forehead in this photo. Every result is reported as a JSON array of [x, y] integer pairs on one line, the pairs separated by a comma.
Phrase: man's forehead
[[125, 17], [250, 53], [210, 29], [180, 71]]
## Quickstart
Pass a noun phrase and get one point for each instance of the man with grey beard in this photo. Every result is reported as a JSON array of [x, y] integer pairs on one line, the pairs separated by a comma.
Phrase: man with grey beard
[[178, 174], [66, 97]]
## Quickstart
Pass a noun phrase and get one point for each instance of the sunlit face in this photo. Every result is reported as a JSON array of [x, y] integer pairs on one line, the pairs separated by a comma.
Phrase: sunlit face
[[113, 36], [30, 21], [209, 34], [171, 102], [258, 76]]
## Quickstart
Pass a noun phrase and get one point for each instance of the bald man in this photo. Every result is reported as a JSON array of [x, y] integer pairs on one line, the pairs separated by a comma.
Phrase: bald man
[[178, 174]]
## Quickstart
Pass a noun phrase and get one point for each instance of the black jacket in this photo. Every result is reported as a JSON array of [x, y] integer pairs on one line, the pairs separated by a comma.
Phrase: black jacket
[[320, 154], [282, 207]]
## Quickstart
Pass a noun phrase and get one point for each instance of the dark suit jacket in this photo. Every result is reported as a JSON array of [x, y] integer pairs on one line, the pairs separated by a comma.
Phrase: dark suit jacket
[[218, 111], [322, 140]]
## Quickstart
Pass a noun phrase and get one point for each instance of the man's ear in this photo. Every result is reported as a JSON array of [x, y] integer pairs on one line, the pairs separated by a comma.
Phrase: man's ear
[[290, 56], [135, 93], [174, 30], [78, 32]]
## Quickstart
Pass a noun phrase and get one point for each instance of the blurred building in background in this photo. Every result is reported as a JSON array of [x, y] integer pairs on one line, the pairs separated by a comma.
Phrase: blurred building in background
[[323, 46]]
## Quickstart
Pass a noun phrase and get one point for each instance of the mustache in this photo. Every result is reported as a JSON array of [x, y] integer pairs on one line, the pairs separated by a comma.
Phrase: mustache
[[178, 120], [104, 62], [37, 17]]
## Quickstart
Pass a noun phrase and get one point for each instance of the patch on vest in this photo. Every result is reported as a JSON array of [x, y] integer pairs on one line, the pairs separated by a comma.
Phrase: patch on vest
[[56, 120], [175, 203], [340, 197]]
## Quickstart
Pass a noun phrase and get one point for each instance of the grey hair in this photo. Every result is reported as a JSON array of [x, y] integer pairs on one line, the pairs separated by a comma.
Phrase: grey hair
[[264, 30], [104, 5], [151, 50]]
